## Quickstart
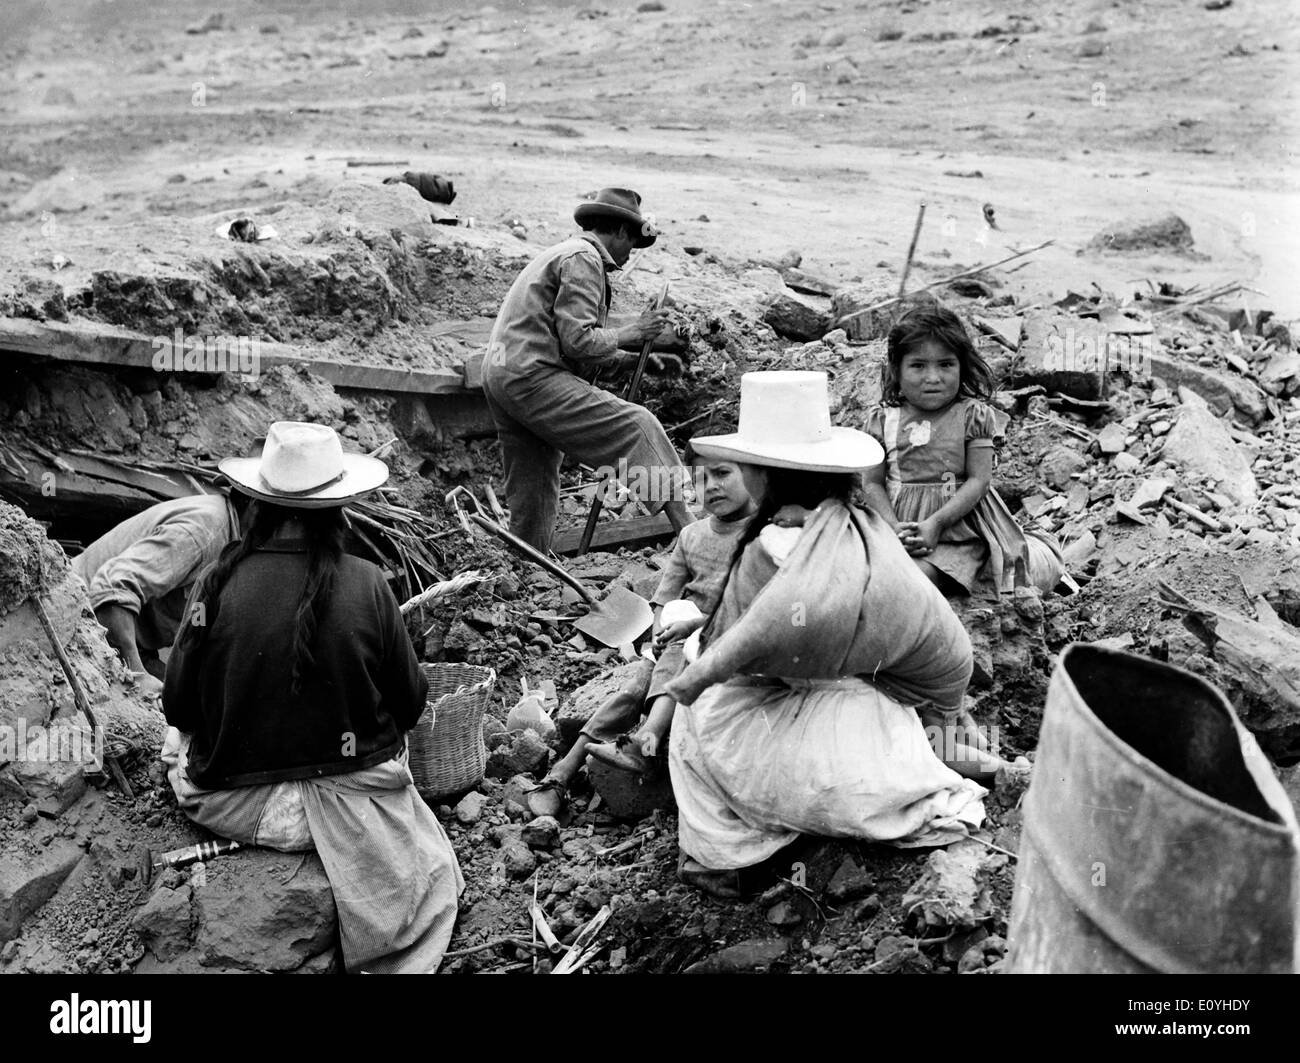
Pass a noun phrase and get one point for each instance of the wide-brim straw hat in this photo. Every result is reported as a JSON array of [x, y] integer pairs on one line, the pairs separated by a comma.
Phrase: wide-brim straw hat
[[621, 204], [785, 422], [303, 465]]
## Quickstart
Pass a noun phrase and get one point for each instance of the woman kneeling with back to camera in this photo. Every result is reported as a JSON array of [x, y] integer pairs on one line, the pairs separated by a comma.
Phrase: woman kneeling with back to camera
[[827, 658], [293, 684]]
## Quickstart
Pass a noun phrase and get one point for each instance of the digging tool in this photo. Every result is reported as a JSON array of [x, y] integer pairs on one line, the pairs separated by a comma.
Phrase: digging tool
[[911, 252], [618, 620], [634, 386], [79, 695]]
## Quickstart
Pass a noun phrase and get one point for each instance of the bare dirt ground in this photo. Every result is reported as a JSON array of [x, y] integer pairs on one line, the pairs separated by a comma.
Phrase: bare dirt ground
[[750, 129], [785, 125]]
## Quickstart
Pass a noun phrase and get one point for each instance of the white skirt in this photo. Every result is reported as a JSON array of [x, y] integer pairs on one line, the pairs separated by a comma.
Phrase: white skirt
[[755, 764]]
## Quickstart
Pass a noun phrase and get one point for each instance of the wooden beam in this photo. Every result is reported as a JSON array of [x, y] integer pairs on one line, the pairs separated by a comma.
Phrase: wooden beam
[[615, 533], [89, 343]]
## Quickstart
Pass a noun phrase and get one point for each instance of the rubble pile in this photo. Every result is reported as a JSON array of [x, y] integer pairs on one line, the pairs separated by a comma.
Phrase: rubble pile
[[1155, 439]]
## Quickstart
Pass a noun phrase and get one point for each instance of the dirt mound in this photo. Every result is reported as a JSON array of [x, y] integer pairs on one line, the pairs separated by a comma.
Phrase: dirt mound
[[28, 560]]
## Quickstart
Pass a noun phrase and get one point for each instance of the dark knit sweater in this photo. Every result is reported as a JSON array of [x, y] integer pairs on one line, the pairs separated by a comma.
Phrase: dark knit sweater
[[232, 690]]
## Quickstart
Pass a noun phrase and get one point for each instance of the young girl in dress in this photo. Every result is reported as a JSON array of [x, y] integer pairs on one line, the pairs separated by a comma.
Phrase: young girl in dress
[[934, 488]]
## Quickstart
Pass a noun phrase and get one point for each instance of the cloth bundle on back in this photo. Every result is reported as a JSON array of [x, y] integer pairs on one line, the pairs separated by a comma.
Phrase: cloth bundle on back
[[834, 607]]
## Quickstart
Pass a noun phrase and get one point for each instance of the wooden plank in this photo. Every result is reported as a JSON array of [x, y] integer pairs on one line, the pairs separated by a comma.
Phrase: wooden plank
[[93, 344], [475, 330], [615, 533]]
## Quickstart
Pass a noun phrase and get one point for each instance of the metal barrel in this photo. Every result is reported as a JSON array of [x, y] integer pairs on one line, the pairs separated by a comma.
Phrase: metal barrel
[[1156, 837]]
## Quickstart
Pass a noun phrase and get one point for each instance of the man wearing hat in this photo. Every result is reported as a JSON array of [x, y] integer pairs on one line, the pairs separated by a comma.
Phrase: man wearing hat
[[549, 341]]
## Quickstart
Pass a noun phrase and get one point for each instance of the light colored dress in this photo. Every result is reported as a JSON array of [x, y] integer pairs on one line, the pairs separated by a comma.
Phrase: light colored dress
[[925, 455]]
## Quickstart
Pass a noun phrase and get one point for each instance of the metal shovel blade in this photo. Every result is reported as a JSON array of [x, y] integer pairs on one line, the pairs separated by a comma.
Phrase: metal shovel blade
[[620, 618]]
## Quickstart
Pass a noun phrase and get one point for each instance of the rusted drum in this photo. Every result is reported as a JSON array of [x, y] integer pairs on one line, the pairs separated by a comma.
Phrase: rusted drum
[[1156, 837]]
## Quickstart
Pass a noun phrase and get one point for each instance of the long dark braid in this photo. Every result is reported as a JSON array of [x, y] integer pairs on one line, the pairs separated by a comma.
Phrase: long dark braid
[[324, 533], [785, 487]]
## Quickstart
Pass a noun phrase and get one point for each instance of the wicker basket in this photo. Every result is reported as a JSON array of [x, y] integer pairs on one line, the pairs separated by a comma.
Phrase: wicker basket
[[447, 754]]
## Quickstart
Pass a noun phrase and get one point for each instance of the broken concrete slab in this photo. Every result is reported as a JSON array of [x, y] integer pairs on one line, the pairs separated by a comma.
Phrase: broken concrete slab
[[1008, 328], [29, 879], [849, 309], [1200, 444], [1223, 392], [1062, 353], [806, 283]]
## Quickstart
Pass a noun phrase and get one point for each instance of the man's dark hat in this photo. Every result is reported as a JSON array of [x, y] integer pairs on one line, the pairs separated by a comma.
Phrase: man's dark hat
[[621, 204]]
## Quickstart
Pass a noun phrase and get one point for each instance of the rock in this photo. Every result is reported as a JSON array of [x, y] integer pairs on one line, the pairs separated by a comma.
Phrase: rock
[[1062, 353], [629, 681], [1111, 438], [849, 883], [1223, 392], [649, 6], [744, 957], [868, 909], [1281, 376], [628, 796], [470, 808], [541, 833], [525, 753], [518, 858], [792, 317], [807, 283], [55, 784], [514, 795], [1125, 462], [1091, 49], [460, 640], [954, 890], [29, 813], [1201, 445], [972, 960], [784, 914], [1058, 463], [28, 880], [1168, 233], [165, 923], [264, 911], [213, 23], [1149, 492], [59, 96]]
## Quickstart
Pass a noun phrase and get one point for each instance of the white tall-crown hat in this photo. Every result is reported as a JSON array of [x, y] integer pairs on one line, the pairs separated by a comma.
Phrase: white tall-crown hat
[[785, 421], [304, 465]]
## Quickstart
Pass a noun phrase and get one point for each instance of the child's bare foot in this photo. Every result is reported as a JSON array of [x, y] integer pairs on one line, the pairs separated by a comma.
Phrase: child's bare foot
[[632, 753]]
